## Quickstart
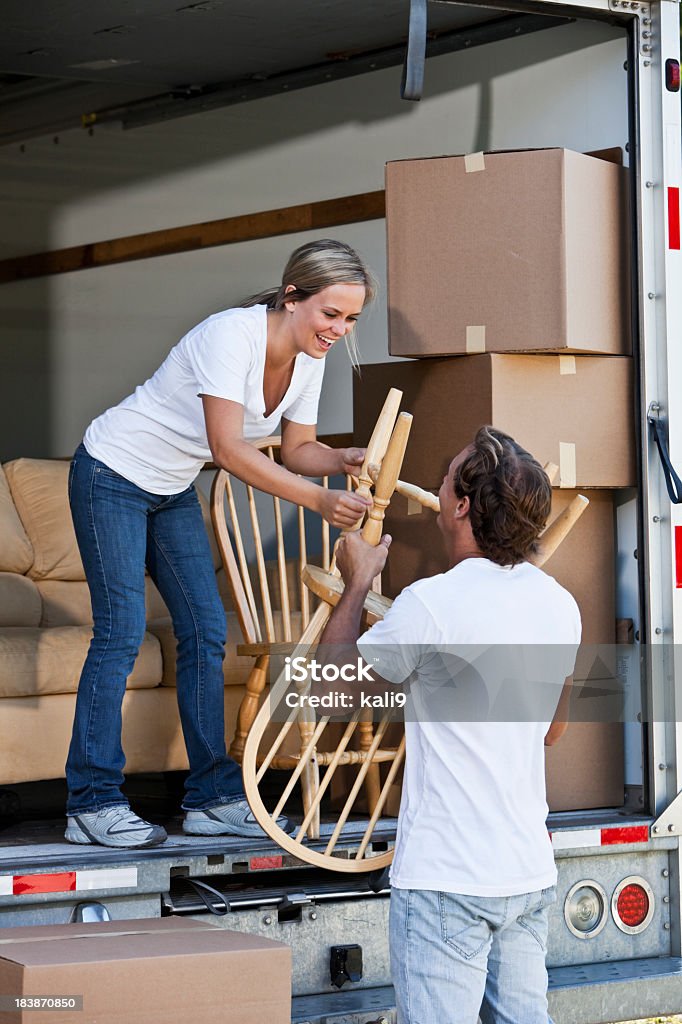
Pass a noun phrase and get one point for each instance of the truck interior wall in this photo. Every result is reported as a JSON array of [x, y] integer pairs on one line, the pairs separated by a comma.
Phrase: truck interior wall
[[75, 343]]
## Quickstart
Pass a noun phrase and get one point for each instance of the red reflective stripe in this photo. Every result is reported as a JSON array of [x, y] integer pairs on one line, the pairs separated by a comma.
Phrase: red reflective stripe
[[674, 218], [633, 834], [64, 882], [678, 556], [264, 863]]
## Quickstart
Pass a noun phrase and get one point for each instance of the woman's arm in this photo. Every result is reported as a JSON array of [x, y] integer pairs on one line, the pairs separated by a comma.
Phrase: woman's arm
[[303, 453], [224, 429]]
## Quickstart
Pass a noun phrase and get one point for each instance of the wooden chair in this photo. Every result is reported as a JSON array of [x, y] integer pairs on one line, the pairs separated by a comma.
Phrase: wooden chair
[[329, 587], [262, 590]]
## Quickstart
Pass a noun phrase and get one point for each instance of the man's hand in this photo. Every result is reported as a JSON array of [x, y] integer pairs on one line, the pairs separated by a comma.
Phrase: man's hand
[[359, 562]]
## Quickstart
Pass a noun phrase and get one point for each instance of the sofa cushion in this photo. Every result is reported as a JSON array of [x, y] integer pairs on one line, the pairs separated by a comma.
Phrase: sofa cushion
[[39, 490], [67, 602], [39, 661], [16, 553], [235, 669], [19, 601], [156, 607], [152, 736]]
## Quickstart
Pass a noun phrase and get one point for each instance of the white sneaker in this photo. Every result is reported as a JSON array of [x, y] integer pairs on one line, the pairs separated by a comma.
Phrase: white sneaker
[[234, 819], [113, 826]]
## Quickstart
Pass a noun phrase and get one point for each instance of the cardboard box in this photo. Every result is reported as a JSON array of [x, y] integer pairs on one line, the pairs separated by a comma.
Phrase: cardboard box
[[585, 769], [168, 971], [507, 252], [575, 411], [584, 563]]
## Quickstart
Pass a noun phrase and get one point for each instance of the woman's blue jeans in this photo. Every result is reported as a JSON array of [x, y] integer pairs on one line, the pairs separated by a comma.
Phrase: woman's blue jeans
[[121, 529]]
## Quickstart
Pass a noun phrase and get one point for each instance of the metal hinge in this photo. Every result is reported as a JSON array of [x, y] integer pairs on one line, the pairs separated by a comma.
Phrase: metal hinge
[[642, 10], [629, 6], [669, 823]]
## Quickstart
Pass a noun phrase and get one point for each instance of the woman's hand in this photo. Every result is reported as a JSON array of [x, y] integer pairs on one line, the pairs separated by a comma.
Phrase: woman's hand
[[351, 460], [342, 508]]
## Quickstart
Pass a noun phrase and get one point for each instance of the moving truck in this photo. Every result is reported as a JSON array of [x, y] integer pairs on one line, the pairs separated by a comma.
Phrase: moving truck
[[203, 114]]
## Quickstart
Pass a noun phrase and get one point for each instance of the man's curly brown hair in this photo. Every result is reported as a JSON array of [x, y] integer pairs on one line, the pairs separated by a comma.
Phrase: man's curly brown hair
[[509, 493]]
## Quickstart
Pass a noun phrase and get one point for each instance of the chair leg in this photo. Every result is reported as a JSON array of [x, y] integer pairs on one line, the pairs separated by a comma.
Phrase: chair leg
[[248, 709], [310, 783], [310, 777], [373, 778]]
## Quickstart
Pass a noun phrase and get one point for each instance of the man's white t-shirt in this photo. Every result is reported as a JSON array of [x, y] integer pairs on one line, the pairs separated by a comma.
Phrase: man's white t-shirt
[[157, 436], [473, 808]]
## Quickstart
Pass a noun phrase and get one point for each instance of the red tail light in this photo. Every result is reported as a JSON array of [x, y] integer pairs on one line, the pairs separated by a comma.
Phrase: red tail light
[[632, 905]]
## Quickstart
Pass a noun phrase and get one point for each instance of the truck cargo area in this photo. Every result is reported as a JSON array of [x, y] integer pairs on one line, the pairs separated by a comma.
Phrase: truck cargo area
[[143, 192]]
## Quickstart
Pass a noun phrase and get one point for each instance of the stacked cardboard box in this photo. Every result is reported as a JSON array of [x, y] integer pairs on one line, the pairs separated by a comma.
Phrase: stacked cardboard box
[[507, 252], [523, 255]]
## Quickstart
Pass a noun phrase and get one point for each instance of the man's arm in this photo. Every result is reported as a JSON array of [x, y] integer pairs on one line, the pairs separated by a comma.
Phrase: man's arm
[[561, 715], [359, 563]]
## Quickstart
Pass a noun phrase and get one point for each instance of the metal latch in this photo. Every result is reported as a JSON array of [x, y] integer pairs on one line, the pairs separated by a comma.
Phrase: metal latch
[[291, 900]]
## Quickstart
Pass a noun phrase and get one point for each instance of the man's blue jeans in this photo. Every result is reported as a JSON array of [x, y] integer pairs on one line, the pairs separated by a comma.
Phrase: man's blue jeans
[[455, 957], [120, 528]]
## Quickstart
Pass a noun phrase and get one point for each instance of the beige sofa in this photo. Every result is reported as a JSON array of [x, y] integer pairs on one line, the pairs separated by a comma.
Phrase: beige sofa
[[45, 628]]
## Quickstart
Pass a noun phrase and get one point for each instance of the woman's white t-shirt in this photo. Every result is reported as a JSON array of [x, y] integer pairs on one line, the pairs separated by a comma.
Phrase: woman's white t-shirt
[[157, 436], [473, 808]]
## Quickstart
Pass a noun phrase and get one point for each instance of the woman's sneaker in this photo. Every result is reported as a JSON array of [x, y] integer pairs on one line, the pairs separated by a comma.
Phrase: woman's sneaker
[[113, 826], [233, 819]]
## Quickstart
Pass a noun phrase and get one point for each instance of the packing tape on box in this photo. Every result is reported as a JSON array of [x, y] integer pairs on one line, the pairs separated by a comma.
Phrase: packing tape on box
[[567, 465], [566, 365], [475, 339], [107, 935], [474, 162], [413, 507]]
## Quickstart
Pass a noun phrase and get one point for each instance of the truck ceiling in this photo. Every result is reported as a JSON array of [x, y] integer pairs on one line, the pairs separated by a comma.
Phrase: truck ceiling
[[78, 63]]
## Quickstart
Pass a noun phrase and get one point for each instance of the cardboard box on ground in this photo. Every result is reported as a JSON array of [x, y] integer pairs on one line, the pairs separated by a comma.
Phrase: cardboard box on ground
[[520, 251], [168, 971], [585, 769], [575, 411]]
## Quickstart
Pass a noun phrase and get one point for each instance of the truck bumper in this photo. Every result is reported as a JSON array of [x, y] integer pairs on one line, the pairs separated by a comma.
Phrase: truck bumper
[[593, 994], [622, 990]]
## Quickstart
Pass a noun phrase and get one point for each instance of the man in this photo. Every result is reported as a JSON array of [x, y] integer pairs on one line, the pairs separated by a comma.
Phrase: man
[[473, 872]]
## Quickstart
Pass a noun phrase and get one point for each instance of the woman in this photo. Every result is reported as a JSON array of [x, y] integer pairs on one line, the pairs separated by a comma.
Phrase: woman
[[229, 381]]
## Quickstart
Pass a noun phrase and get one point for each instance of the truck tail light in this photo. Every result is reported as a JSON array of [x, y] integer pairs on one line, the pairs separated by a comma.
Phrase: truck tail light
[[672, 75], [585, 909], [632, 905]]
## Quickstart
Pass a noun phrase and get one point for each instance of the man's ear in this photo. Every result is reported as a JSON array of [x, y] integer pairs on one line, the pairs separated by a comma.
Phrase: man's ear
[[463, 507]]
